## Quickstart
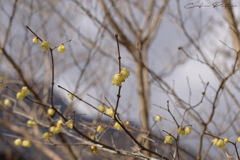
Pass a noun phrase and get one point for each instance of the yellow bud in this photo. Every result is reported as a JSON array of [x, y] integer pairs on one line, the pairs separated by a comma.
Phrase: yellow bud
[[61, 48], [70, 96], [238, 139], [7, 102], [50, 112], [127, 123], [69, 123], [110, 112], [226, 140], [35, 40], [158, 118], [168, 139], [102, 108], [47, 135], [94, 149], [44, 46], [100, 129], [117, 126], [181, 131], [18, 142], [26, 143]]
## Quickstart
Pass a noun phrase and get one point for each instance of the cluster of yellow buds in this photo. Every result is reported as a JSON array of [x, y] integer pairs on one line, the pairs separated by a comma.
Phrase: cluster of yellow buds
[[94, 149], [184, 131], [31, 123], [24, 143], [120, 77], [55, 129], [219, 142], [23, 93], [7, 102], [158, 118], [110, 112], [168, 139], [117, 126]]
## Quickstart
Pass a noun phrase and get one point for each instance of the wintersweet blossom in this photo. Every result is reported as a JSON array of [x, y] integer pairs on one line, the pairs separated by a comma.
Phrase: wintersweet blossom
[[35, 40], [226, 140], [110, 112], [61, 48], [117, 80], [100, 129], [125, 73], [59, 123], [184, 131], [127, 123], [218, 142], [55, 129], [102, 108], [26, 143], [70, 123], [117, 126], [168, 139], [238, 139], [44, 46]]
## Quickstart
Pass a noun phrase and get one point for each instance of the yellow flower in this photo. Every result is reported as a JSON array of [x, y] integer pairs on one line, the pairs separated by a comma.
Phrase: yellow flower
[[168, 139], [94, 149], [26, 143], [117, 126], [110, 112], [35, 40], [18, 142], [59, 123], [70, 96], [226, 140], [45, 46], [47, 135], [158, 118], [125, 73], [50, 112], [100, 129], [214, 141], [220, 143], [117, 80], [7, 102], [69, 123], [187, 130], [102, 108], [61, 48], [31, 123], [238, 139], [20, 95]]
